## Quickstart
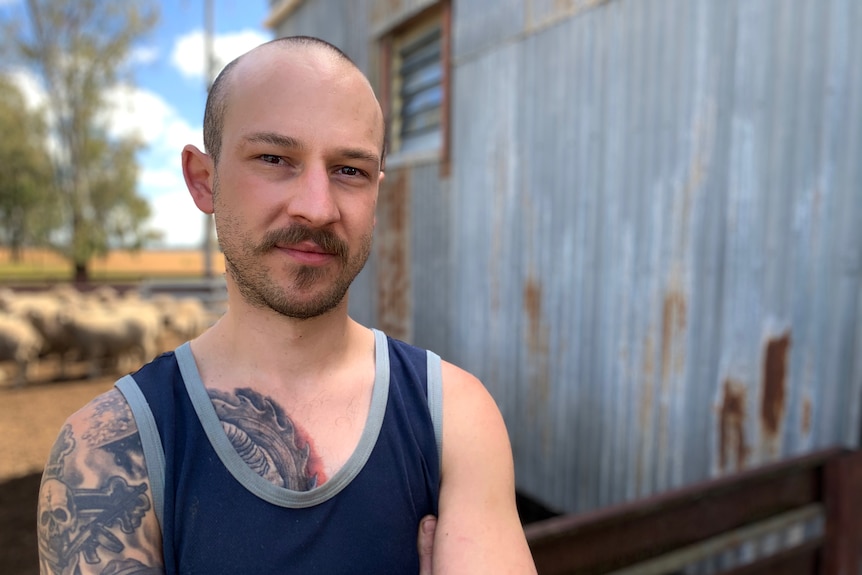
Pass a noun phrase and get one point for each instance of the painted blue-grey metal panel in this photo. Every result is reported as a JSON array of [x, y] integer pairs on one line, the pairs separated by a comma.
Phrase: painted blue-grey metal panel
[[485, 24], [344, 24], [662, 204], [487, 202], [431, 270]]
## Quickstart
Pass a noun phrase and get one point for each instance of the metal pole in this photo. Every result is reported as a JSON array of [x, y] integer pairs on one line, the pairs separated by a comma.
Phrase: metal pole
[[210, 72]]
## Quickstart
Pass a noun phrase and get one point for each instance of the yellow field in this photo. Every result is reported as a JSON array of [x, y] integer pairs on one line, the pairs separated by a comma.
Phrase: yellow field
[[44, 264]]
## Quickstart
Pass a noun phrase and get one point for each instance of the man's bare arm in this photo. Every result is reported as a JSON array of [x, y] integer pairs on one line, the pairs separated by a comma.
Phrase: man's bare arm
[[95, 511], [478, 530]]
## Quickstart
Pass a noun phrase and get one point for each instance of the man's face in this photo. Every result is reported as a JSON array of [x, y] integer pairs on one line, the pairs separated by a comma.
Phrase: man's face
[[296, 185]]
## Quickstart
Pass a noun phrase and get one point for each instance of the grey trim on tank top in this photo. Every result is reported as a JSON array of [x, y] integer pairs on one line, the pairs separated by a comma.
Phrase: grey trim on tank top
[[435, 399], [154, 453], [257, 484], [154, 450]]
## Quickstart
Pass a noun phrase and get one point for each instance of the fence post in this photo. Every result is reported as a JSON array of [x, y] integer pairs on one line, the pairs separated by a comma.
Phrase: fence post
[[842, 485]]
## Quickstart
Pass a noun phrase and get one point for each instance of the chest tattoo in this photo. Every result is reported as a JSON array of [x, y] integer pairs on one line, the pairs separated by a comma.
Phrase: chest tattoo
[[266, 439]]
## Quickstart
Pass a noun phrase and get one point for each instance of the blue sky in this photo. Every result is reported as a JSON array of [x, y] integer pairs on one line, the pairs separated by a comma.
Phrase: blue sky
[[165, 107]]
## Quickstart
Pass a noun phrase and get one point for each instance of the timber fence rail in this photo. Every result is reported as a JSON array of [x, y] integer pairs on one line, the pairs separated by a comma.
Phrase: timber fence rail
[[802, 515]]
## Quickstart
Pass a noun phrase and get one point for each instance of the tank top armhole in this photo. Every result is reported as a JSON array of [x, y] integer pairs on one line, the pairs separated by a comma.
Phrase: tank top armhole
[[154, 455], [435, 399]]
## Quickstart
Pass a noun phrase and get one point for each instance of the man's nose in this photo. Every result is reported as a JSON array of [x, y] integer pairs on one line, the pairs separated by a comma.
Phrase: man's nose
[[313, 199]]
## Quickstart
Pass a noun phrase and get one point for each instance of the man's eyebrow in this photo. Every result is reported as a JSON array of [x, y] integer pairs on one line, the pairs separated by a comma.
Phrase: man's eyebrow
[[358, 154], [273, 138]]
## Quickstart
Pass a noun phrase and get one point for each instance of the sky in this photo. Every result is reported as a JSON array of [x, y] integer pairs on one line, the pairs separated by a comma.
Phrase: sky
[[165, 106]]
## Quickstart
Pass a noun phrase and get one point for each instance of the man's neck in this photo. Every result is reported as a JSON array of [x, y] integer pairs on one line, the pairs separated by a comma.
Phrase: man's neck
[[273, 348]]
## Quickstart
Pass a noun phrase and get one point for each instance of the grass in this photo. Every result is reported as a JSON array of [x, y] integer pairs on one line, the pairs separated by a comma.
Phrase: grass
[[120, 266]]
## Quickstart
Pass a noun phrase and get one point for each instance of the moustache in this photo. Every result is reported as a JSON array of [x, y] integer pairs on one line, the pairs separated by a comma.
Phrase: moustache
[[297, 233]]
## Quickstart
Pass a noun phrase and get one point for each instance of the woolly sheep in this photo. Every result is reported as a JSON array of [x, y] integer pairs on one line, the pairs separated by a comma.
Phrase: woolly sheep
[[19, 343]]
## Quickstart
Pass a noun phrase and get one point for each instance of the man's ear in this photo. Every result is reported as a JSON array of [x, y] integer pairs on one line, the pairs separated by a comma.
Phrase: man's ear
[[379, 181], [199, 171]]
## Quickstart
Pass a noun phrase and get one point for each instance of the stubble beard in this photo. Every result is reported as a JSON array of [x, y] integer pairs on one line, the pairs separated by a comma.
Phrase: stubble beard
[[298, 299], [309, 292]]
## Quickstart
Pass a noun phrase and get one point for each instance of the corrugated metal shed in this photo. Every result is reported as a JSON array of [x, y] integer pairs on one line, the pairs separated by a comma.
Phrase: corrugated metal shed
[[650, 244]]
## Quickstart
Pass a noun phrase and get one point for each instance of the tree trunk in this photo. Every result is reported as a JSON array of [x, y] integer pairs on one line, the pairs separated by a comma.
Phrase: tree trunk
[[15, 252], [82, 274]]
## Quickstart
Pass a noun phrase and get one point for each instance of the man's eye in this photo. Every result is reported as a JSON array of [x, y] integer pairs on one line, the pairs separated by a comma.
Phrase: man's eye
[[348, 171], [270, 158]]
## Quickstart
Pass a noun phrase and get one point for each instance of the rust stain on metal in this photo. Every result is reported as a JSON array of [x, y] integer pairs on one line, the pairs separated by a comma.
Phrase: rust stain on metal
[[393, 251], [774, 384], [732, 445], [537, 337], [533, 306], [673, 323], [806, 415], [538, 344]]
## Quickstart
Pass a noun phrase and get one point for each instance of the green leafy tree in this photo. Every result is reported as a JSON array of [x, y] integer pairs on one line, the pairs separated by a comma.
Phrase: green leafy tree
[[80, 50], [27, 214]]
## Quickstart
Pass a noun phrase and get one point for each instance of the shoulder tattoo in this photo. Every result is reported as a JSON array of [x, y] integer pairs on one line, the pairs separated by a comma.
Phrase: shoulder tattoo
[[93, 492]]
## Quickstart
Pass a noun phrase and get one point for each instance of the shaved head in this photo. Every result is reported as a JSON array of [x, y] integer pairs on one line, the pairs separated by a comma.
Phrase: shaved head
[[219, 93]]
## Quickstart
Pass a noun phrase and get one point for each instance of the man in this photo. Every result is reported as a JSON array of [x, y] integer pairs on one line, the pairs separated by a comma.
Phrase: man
[[287, 438]]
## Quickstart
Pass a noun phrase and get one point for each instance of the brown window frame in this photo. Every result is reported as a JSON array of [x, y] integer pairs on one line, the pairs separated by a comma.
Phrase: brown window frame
[[436, 17]]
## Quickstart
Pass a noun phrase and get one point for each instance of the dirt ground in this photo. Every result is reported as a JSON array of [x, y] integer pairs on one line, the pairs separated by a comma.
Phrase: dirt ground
[[30, 418]]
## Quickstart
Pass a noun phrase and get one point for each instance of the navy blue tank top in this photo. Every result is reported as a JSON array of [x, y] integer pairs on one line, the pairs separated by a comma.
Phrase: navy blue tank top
[[218, 515]]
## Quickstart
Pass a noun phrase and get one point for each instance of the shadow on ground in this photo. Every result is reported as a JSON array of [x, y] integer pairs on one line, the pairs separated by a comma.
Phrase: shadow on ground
[[18, 552]]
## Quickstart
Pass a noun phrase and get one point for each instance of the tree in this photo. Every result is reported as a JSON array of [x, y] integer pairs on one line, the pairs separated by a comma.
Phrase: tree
[[26, 213], [80, 50]]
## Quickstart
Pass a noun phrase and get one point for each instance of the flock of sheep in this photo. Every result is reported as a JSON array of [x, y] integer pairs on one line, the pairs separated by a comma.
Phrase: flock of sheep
[[109, 331]]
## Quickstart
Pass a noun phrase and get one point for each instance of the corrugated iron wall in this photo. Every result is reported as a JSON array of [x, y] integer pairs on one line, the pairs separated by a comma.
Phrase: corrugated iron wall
[[658, 208], [339, 22], [650, 244]]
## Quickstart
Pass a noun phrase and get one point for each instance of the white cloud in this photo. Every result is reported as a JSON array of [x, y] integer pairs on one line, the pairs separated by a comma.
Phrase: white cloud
[[36, 98], [166, 179], [188, 53], [177, 216], [178, 133], [29, 85], [131, 111], [143, 55]]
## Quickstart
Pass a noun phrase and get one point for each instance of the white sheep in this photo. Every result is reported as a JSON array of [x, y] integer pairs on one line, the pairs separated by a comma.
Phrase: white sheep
[[188, 318], [56, 341], [19, 343], [105, 337]]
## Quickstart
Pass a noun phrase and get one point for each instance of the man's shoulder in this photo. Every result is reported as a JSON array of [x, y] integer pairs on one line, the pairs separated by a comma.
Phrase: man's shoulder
[[452, 374], [96, 473], [106, 416]]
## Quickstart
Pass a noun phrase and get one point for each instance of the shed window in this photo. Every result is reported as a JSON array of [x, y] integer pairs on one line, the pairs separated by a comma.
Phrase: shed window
[[417, 84], [421, 93]]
